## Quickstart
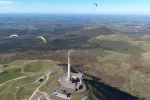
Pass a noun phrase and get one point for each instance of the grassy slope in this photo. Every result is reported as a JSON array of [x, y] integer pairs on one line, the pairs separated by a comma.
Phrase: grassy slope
[[14, 69], [8, 89], [51, 77], [53, 84], [110, 55], [116, 37], [39, 65], [26, 91], [10, 74], [126, 51]]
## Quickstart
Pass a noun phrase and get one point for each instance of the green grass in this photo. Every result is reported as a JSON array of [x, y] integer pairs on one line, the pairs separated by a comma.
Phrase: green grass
[[11, 65], [8, 90], [54, 83], [18, 62], [113, 56], [39, 65], [10, 74], [87, 77], [36, 66], [79, 96], [26, 91], [30, 66], [140, 88], [116, 37], [15, 64], [92, 96], [89, 87]]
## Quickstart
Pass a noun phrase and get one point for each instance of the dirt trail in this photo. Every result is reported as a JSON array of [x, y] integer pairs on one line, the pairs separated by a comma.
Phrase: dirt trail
[[46, 95], [12, 80], [18, 77], [40, 86]]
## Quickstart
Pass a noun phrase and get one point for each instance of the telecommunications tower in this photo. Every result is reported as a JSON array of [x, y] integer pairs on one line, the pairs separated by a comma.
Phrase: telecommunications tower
[[68, 66]]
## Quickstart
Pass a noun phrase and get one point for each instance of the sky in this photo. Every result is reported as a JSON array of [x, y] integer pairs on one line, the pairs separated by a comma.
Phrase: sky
[[76, 6]]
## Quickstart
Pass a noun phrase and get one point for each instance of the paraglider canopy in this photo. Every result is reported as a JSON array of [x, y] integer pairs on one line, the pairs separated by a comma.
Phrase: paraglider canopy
[[42, 38], [95, 4], [14, 35]]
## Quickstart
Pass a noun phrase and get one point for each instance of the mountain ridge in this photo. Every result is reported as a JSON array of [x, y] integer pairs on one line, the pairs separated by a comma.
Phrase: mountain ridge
[[92, 32]]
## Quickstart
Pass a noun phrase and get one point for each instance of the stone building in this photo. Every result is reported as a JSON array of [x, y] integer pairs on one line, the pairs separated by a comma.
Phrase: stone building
[[62, 93]]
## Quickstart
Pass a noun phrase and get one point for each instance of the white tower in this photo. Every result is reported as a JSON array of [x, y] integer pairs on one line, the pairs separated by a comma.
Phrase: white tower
[[68, 66]]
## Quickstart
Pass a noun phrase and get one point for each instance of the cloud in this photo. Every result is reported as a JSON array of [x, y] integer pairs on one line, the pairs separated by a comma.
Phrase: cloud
[[8, 2]]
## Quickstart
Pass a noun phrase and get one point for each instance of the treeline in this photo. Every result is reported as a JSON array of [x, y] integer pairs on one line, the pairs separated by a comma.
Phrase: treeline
[[12, 45]]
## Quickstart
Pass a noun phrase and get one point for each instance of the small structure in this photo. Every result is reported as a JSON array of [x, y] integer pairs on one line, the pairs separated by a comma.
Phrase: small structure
[[41, 79], [62, 94]]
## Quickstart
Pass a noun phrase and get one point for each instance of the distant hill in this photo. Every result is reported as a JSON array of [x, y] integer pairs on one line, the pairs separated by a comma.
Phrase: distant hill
[[116, 37], [92, 32], [79, 39], [71, 40]]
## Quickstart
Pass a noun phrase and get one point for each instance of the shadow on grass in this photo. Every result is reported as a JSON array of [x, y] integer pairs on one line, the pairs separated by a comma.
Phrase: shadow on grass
[[106, 92], [103, 91]]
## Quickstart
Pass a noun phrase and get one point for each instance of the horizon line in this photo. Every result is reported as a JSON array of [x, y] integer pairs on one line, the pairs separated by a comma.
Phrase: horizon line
[[80, 13]]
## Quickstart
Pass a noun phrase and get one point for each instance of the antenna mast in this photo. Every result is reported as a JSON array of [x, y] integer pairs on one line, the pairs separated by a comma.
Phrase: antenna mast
[[68, 65]]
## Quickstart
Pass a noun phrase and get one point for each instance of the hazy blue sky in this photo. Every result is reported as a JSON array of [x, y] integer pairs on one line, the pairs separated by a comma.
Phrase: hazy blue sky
[[76, 6]]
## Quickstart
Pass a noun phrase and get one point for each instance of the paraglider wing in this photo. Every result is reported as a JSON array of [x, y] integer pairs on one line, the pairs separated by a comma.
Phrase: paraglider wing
[[95, 4], [42, 38], [14, 35]]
